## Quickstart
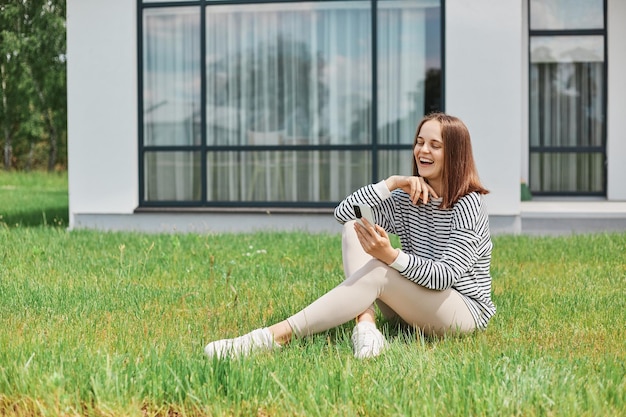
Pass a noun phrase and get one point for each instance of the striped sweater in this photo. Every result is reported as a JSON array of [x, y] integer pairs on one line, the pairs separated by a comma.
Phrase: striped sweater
[[441, 249]]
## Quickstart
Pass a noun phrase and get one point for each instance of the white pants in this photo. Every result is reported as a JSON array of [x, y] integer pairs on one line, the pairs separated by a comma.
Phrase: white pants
[[370, 280]]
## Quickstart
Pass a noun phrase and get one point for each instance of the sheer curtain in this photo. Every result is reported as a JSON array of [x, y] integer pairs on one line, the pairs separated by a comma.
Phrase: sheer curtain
[[296, 74], [566, 114], [171, 103], [284, 82], [402, 68], [299, 69], [300, 74]]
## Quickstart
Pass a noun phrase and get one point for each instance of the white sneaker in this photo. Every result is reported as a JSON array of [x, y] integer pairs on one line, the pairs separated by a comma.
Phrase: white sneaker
[[256, 340], [367, 340]]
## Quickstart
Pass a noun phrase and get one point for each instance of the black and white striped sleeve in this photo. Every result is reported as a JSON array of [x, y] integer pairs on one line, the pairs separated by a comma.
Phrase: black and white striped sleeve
[[374, 195]]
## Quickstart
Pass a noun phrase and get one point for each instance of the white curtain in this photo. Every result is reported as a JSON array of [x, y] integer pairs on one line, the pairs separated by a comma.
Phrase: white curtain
[[402, 72], [301, 74], [286, 74], [171, 102], [566, 112], [279, 74]]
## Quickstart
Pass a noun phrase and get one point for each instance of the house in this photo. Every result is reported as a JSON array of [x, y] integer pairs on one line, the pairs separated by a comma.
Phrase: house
[[231, 116]]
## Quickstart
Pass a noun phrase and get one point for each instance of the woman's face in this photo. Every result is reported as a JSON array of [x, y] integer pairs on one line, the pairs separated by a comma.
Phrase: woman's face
[[428, 153]]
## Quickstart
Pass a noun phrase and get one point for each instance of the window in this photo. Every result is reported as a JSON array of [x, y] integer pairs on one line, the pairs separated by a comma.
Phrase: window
[[567, 97], [290, 104]]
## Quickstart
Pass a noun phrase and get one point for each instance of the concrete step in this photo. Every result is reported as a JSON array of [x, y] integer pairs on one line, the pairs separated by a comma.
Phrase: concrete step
[[567, 216]]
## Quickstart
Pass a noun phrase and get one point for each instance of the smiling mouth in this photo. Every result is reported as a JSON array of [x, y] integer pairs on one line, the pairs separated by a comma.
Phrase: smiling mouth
[[425, 161]]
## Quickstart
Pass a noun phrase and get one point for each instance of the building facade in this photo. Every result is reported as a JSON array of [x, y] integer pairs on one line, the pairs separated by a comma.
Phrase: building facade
[[230, 116]]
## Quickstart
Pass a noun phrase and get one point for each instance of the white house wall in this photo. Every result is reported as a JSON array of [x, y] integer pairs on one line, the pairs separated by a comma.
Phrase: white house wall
[[485, 69], [616, 115], [102, 106], [483, 87]]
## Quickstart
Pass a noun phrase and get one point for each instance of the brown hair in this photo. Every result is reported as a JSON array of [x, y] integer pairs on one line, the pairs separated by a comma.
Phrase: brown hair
[[460, 176]]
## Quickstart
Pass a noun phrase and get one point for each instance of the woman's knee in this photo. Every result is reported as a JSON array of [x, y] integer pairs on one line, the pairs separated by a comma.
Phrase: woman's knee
[[348, 234], [354, 257], [373, 272]]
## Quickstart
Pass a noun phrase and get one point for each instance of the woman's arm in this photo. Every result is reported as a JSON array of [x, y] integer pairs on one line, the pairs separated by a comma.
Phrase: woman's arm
[[372, 195], [375, 194]]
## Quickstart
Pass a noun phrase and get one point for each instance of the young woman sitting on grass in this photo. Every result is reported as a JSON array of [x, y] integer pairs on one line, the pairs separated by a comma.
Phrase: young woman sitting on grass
[[439, 282]]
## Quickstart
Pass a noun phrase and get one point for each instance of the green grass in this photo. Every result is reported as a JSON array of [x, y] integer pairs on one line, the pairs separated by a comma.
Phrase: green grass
[[110, 324], [33, 199]]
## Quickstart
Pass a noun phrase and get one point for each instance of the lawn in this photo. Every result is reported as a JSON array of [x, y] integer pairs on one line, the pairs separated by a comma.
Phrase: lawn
[[33, 199], [108, 324]]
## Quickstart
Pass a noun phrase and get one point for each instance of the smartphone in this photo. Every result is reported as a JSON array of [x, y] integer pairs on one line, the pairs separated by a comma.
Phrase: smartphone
[[363, 210]]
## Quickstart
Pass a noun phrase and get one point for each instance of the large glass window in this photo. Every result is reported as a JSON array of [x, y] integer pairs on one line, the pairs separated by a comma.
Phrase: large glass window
[[567, 97], [283, 104]]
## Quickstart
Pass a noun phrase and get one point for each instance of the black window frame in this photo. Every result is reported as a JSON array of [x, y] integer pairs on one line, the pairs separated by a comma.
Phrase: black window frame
[[202, 148], [572, 149]]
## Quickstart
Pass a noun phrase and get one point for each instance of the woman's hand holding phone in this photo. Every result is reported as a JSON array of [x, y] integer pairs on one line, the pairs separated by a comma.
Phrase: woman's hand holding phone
[[373, 238], [363, 211]]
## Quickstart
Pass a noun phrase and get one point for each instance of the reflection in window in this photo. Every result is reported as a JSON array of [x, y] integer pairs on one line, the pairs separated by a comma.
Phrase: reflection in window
[[171, 76], [409, 67], [301, 71]]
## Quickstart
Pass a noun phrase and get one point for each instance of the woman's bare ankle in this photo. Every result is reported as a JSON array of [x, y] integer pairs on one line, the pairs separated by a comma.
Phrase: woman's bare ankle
[[368, 315]]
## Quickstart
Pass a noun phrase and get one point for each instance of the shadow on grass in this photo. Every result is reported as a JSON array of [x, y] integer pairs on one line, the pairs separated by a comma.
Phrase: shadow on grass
[[50, 216], [392, 330]]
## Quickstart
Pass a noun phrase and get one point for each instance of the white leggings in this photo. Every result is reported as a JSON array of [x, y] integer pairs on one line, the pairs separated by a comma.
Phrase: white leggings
[[370, 280]]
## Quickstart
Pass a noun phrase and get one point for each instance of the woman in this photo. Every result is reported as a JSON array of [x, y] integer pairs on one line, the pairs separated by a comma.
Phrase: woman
[[439, 282]]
